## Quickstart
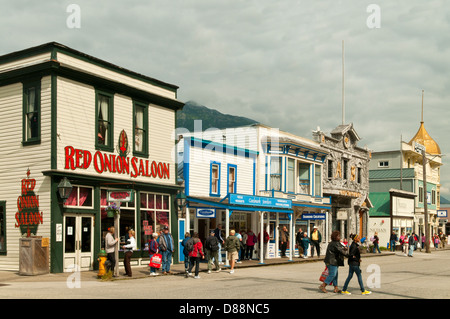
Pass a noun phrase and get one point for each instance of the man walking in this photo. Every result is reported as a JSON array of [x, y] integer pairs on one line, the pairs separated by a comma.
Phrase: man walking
[[166, 247], [316, 239], [392, 241], [232, 246], [284, 239], [110, 248], [212, 251]]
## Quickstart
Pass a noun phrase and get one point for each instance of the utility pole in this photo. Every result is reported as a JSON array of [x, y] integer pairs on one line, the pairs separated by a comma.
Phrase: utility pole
[[425, 201]]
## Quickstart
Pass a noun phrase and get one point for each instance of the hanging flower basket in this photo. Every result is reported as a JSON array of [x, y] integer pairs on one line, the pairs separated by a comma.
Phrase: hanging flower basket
[[112, 210]]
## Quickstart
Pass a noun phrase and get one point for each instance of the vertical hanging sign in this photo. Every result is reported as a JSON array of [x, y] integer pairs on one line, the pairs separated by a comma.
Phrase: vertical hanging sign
[[28, 216]]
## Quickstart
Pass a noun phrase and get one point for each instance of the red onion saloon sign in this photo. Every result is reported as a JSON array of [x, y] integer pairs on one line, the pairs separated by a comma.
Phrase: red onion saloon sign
[[109, 162], [28, 216], [119, 164]]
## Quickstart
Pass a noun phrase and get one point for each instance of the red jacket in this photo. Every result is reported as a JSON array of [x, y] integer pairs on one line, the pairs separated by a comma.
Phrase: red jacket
[[198, 249]]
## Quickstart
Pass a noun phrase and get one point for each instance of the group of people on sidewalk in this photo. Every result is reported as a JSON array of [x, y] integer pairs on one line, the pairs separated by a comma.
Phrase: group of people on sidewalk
[[194, 251], [334, 258]]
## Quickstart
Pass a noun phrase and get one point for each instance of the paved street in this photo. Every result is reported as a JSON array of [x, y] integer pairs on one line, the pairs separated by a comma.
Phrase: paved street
[[395, 276]]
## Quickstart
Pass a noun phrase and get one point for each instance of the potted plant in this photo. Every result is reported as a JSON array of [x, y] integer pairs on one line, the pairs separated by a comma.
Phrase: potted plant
[[112, 209]]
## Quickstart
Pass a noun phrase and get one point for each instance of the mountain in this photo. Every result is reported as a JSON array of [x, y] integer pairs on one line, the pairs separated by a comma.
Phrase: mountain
[[444, 200], [210, 118]]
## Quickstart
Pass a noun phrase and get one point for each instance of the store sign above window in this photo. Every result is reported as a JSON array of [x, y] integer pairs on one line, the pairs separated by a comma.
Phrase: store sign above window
[[120, 195], [260, 201], [28, 216], [109, 162]]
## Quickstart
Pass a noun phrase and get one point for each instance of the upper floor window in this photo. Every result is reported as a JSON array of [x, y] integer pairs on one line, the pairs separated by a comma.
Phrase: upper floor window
[[345, 169], [215, 179], [291, 175], [140, 125], [275, 173], [31, 112], [104, 121], [304, 178], [330, 169], [231, 179], [317, 180], [383, 164]]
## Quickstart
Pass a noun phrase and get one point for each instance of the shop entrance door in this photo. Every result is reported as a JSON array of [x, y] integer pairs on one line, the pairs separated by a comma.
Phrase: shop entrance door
[[78, 242]]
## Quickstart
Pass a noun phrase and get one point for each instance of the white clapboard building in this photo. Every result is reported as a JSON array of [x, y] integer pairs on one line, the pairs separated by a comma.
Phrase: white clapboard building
[[107, 131]]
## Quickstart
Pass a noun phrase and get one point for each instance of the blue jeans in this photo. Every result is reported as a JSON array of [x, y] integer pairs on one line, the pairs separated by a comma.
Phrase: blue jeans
[[411, 250], [332, 275], [166, 260], [392, 246], [357, 271], [375, 246]]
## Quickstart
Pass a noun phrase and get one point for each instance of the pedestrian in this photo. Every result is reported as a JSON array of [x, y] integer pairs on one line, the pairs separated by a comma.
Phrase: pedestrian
[[218, 234], [354, 262], [406, 244], [423, 241], [166, 247], [298, 239], [153, 249], [334, 258], [316, 239], [412, 244], [251, 241], [436, 241], [244, 243], [195, 256], [128, 252], [376, 242], [110, 248], [212, 252], [187, 236], [392, 241], [232, 248], [239, 236], [284, 239], [443, 239], [305, 244], [402, 241]]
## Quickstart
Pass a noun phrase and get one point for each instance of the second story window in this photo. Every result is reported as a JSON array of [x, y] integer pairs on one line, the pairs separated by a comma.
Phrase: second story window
[[215, 179], [140, 125], [303, 177], [231, 179], [275, 173], [104, 125], [31, 112]]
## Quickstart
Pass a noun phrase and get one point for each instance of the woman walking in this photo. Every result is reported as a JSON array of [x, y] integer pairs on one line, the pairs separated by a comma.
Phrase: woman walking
[[153, 249], [195, 255], [334, 258], [354, 261]]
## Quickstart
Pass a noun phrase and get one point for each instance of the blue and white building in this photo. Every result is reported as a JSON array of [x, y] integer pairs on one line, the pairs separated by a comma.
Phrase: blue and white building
[[254, 177]]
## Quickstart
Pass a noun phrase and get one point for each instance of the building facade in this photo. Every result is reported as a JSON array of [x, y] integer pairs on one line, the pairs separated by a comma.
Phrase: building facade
[[346, 180], [107, 130], [403, 170], [286, 169]]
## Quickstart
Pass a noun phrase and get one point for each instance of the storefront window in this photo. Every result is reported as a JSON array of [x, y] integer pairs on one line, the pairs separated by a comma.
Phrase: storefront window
[[127, 217], [80, 197], [155, 212]]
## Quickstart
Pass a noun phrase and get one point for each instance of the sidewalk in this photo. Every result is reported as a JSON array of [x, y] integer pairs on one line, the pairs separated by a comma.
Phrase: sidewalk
[[143, 271]]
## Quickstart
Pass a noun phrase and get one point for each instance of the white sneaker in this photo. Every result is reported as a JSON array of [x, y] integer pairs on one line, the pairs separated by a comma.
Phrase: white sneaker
[[209, 271], [197, 277], [232, 271], [218, 270]]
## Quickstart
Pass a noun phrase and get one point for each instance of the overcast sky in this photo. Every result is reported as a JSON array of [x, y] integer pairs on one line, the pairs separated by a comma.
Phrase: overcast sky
[[276, 61]]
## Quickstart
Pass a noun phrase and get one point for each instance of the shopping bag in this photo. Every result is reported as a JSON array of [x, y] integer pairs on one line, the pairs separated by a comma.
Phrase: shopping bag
[[324, 275], [155, 261]]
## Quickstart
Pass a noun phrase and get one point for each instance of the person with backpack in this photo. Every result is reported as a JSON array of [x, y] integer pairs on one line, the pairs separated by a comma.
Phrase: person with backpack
[[412, 244], [187, 236], [212, 251], [195, 255]]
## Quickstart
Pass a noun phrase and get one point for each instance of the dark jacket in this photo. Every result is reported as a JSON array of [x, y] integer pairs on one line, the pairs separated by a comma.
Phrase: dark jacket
[[212, 243], [183, 243], [354, 255], [335, 254]]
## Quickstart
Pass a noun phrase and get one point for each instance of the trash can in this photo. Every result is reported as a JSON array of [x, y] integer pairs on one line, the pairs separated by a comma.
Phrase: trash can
[[33, 256]]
